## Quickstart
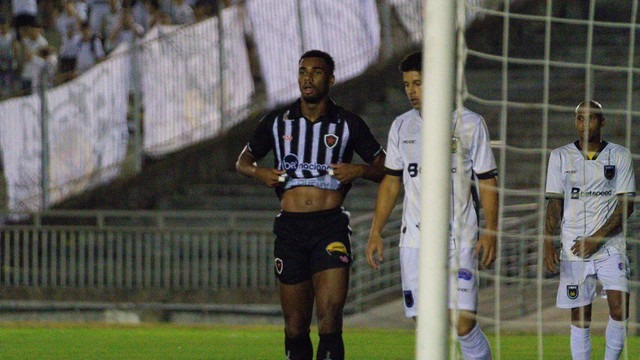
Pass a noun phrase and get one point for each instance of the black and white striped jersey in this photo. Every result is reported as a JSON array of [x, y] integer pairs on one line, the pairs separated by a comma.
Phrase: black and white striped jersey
[[305, 149]]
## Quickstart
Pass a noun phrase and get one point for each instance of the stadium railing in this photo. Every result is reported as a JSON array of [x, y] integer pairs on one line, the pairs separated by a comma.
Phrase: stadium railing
[[97, 253]]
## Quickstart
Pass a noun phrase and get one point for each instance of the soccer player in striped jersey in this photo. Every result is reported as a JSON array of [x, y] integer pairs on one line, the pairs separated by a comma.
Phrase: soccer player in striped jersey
[[590, 191], [313, 141], [471, 159]]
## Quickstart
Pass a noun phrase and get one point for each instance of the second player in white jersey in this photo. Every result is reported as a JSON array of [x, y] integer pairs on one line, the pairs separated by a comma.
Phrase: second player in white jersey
[[471, 160], [590, 189], [471, 157]]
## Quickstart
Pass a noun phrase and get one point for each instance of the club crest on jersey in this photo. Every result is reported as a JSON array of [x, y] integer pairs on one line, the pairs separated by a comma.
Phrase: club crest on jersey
[[572, 292], [408, 298], [279, 265], [330, 140], [609, 171], [454, 144]]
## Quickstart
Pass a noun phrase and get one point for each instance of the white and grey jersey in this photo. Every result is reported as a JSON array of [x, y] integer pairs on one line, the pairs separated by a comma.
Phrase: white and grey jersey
[[590, 189], [471, 158]]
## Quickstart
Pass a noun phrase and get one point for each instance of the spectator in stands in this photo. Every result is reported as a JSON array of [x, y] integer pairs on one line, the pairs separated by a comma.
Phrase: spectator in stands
[[26, 52], [126, 31], [7, 59], [68, 53], [32, 37], [204, 9], [39, 66], [82, 10], [181, 13], [90, 50], [110, 22], [97, 11], [157, 16], [25, 13], [68, 20], [140, 12]]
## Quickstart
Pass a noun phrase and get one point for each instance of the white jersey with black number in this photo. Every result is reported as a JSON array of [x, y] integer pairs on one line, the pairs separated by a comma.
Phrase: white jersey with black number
[[590, 190], [471, 157]]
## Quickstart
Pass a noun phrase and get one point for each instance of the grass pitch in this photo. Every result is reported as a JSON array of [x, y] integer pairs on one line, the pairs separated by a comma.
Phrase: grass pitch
[[100, 341]]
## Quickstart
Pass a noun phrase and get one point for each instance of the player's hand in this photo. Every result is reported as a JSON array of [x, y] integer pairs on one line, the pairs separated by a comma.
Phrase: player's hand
[[586, 246], [346, 172], [487, 247], [270, 177], [551, 257], [375, 251]]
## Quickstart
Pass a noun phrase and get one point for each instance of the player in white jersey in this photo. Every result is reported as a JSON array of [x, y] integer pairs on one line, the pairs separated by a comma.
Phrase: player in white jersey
[[471, 158], [590, 190]]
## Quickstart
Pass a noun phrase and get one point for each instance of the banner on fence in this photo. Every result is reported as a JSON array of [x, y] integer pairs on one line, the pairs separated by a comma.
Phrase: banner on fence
[[87, 128], [184, 95], [348, 30]]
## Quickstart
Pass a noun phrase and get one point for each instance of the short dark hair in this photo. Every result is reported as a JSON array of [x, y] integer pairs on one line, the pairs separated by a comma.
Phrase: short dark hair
[[322, 55], [595, 107], [412, 62]]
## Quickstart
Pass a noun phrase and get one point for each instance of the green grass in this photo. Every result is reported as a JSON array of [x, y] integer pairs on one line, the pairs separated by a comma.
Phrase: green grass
[[99, 341]]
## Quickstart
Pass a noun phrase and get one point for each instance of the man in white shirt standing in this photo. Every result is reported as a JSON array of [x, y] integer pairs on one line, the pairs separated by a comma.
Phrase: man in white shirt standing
[[25, 13], [590, 191], [471, 159]]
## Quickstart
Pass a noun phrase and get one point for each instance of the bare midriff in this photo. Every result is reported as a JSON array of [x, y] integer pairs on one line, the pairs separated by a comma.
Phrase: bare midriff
[[309, 199]]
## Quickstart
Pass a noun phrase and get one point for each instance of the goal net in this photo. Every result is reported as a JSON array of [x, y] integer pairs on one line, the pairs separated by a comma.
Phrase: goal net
[[527, 64]]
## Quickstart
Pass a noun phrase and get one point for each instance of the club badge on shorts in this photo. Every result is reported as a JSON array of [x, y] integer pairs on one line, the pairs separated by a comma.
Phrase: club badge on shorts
[[572, 292], [408, 298], [609, 171], [279, 265]]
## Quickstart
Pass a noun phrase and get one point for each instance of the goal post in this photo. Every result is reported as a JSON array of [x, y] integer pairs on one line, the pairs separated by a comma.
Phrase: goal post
[[438, 79]]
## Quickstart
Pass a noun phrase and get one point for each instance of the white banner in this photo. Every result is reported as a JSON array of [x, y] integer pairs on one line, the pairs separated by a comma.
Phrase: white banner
[[349, 30], [87, 120], [181, 82]]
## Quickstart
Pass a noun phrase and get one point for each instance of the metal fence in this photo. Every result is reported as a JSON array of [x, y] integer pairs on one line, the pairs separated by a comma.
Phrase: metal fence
[[223, 252]]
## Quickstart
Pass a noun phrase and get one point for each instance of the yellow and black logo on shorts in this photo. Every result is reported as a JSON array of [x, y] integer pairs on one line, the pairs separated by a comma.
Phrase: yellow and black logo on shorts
[[337, 247], [339, 251], [572, 292]]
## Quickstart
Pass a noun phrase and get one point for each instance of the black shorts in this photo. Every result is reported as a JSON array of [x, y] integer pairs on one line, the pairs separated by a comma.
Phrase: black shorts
[[307, 243]]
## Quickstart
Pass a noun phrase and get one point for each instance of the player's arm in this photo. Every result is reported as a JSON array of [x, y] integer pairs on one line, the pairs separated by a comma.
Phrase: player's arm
[[388, 192], [489, 201], [247, 166], [552, 220], [374, 170], [589, 245]]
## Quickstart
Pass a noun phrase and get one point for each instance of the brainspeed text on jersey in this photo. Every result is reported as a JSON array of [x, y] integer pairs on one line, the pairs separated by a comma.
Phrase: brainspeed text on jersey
[[591, 193]]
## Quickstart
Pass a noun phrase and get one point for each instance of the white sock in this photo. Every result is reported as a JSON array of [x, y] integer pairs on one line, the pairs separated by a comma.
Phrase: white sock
[[475, 345], [615, 334], [580, 343]]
